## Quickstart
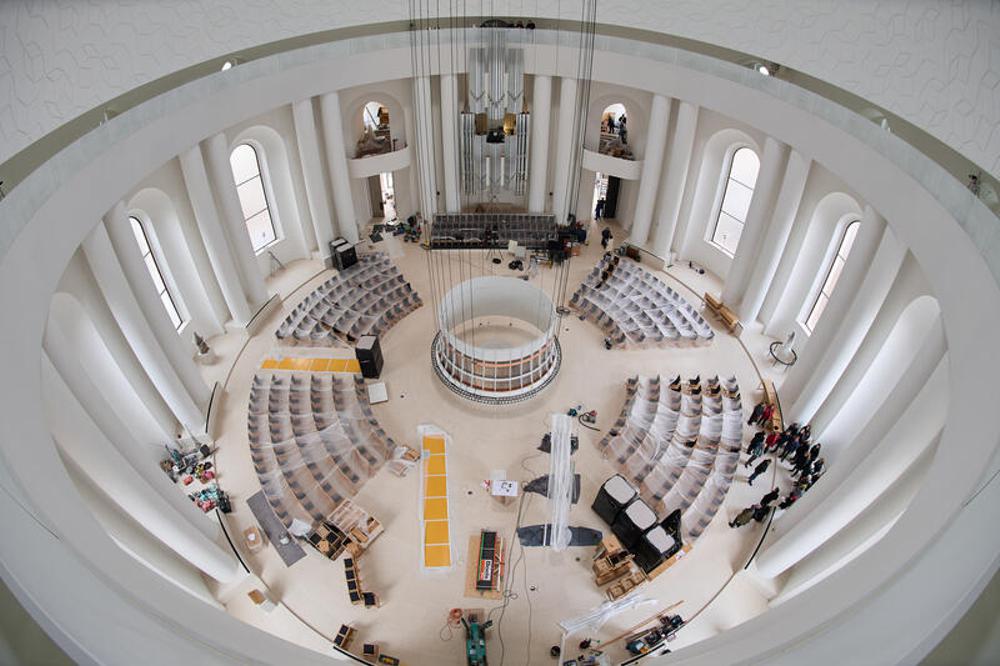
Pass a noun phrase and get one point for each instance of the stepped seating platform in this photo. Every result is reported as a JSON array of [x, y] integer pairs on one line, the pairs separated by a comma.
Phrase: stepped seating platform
[[637, 309], [368, 298], [679, 443], [314, 441]]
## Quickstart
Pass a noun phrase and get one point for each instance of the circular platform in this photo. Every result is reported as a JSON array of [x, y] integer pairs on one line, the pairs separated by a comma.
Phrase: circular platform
[[485, 370]]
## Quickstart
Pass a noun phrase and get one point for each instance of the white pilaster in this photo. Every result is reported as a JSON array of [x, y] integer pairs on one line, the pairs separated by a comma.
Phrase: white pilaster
[[180, 351], [541, 111], [422, 120], [823, 359], [207, 216], [216, 150], [652, 166], [758, 219], [107, 270], [785, 209], [312, 171], [336, 159], [564, 150], [449, 143], [916, 426], [88, 447], [678, 164]]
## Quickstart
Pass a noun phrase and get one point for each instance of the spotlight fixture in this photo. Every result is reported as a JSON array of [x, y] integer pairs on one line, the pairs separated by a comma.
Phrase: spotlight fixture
[[230, 63], [764, 70]]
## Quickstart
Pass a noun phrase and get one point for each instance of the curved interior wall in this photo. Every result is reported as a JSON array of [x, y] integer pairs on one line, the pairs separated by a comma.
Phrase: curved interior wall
[[889, 586]]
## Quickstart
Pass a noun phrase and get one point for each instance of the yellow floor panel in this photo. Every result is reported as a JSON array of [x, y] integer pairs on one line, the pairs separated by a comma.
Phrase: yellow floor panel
[[436, 531], [437, 556], [437, 486], [436, 508], [434, 444], [312, 364], [435, 465]]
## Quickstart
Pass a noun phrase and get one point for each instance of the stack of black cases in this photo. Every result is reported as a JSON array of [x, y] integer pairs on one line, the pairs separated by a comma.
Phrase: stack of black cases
[[653, 548], [369, 355], [613, 496], [632, 522], [342, 254]]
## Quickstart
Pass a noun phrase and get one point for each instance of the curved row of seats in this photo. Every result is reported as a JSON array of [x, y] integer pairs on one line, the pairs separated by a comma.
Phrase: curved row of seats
[[314, 441], [635, 307], [368, 298], [679, 442]]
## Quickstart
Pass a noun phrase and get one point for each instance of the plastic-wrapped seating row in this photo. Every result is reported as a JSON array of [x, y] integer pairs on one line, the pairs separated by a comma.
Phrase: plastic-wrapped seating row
[[635, 308], [314, 441], [368, 298], [679, 443]]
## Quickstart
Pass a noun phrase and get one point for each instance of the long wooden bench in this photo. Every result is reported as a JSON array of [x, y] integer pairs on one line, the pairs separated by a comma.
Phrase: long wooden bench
[[725, 315]]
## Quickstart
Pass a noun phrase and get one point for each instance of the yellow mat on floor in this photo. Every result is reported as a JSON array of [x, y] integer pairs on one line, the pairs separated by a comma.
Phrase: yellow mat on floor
[[312, 364], [436, 533]]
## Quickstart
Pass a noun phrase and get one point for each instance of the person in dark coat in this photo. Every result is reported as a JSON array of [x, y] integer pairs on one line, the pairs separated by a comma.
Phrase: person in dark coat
[[755, 415], [760, 512], [605, 237], [814, 451], [758, 470], [791, 448], [598, 214], [770, 497]]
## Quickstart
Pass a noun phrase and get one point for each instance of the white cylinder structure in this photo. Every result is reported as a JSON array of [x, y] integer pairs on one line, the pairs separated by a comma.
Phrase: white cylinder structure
[[496, 374]]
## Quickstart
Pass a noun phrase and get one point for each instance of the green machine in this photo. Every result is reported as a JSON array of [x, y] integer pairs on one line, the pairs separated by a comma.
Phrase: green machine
[[475, 641]]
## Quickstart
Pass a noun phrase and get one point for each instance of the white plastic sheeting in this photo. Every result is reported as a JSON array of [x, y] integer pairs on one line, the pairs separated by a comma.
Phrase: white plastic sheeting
[[636, 308], [679, 443], [314, 441], [561, 480]]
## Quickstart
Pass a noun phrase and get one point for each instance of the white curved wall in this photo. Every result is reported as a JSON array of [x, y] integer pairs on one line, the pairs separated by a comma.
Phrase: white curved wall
[[934, 64], [70, 193]]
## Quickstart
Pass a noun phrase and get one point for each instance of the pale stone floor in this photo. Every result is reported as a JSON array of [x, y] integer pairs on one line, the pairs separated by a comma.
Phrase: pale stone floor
[[549, 586]]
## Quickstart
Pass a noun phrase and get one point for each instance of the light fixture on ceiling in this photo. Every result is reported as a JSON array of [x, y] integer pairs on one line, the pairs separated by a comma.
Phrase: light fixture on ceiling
[[230, 63], [763, 70]]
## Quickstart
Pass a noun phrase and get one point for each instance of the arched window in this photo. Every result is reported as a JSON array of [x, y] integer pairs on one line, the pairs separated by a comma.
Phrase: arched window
[[832, 275], [154, 272], [740, 181], [253, 200]]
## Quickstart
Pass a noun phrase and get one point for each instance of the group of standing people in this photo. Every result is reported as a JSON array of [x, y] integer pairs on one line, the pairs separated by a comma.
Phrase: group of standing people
[[794, 446], [620, 127]]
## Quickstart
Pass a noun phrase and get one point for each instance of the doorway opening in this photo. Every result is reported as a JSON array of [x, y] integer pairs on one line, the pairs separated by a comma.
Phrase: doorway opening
[[382, 196], [605, 201]]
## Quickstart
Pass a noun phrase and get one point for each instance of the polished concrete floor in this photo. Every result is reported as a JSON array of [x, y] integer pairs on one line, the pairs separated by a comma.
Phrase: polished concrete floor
[[548, 587]]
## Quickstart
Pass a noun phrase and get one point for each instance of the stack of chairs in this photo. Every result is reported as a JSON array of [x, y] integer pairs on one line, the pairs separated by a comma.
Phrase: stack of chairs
[[634, 307], [679, 443], [367, 299], [314, 441]]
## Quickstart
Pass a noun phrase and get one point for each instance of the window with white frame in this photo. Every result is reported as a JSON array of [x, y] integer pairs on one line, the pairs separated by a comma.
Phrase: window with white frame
[[832, 275], [154, 271], [250, 186], [740, 181]]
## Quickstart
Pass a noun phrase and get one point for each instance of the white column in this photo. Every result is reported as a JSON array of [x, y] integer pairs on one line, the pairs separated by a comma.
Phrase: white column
[[541, 111], [449, 142], [179, 351], [336, 159], [312, 172], [61, 348], [678, 164], [758, 219], [916, 427], [86, 445], [866, 243], [652, 165], [564, 150], [216, 150], [804, 392], [108, 271], [219, 255], [785, 209], [422, 120]]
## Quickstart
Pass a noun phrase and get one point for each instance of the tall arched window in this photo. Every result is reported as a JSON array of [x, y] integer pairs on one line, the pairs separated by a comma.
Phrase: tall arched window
[[250, 186], [740, 181], [832, 275], [154, 271]]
